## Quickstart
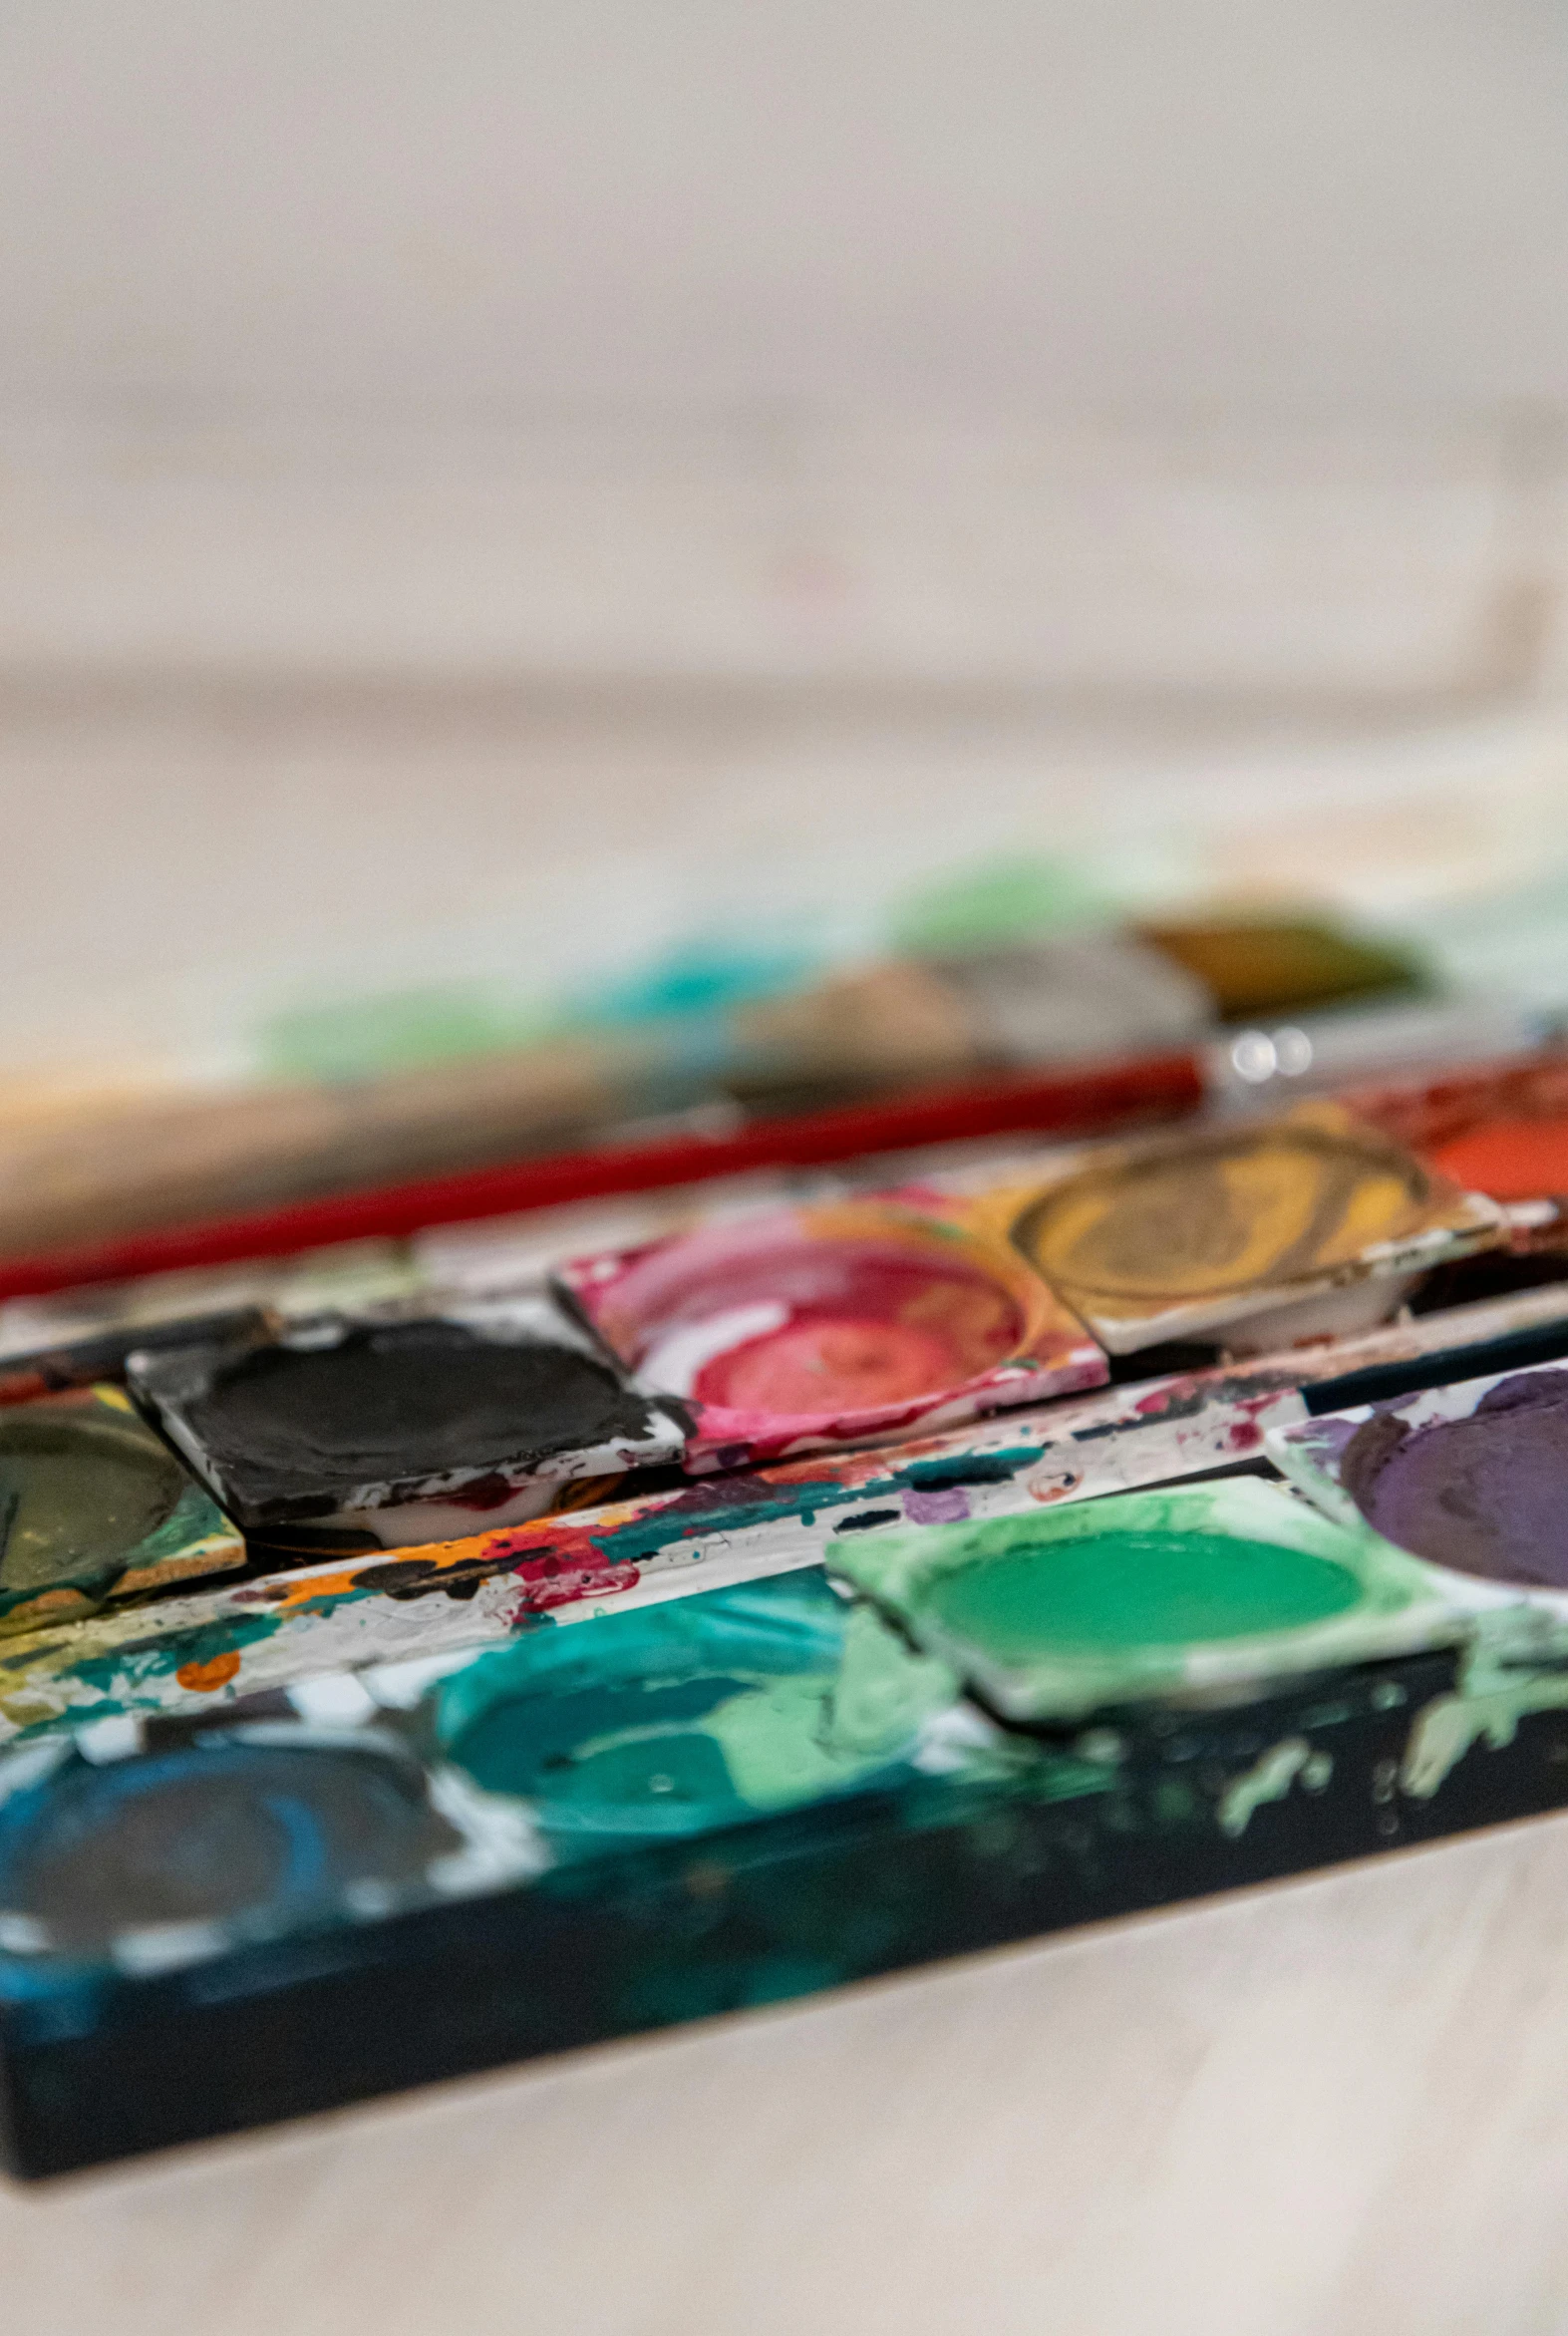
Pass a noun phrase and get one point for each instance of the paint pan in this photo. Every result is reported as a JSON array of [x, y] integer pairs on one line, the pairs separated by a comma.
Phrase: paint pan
[[1252, 966], [151, 1857], [797, 1329], [1472, 1478], [94, 1507], [1224, 1586], [1302, 1225], [403, 1429], [1497, 1128], [680, 1719]]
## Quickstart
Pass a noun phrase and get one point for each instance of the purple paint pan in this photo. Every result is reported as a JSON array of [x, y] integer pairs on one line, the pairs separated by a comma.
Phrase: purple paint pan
[[1472, 1477]]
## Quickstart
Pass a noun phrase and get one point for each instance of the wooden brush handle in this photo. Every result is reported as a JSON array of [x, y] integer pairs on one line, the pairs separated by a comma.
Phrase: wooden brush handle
[[149, 1163]]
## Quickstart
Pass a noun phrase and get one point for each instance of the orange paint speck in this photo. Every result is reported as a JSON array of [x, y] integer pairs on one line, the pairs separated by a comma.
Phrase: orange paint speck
[[207, 1678]]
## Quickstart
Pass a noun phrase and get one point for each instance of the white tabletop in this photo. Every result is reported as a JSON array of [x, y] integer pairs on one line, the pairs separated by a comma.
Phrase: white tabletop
[[1329, 2105]]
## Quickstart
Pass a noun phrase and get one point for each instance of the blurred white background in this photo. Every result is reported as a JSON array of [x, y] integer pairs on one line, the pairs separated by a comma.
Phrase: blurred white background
[[487, 480], [486, 210]]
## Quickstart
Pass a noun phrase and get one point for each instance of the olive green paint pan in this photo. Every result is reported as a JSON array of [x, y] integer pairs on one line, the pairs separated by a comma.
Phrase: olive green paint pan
[[1145, 1595], [95, 1507]]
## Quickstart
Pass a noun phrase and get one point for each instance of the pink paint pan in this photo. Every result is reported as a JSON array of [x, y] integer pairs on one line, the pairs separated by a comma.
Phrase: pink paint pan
[[797, 1329]]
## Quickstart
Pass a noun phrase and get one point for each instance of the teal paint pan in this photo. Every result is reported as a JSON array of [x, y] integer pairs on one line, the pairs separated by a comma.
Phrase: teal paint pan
[[1220, 1586], [672, 1720]]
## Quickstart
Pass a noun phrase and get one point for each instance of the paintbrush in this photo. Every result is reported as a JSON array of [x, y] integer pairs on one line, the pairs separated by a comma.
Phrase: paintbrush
[[881, 1030]]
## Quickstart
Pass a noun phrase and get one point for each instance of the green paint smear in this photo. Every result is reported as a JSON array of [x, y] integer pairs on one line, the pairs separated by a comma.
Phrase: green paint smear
[[359, 1038], [1013, 897], [1269, 1779], [678, 1718], [1131, 1588], [1512, 1668], [799, 1738]]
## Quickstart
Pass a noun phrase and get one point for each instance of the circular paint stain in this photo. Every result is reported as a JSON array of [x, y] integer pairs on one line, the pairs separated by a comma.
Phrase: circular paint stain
[[214, 1832], [830, 1364], [1221, 1215], [622, 1741], [629, 1756], [1111, 1592]]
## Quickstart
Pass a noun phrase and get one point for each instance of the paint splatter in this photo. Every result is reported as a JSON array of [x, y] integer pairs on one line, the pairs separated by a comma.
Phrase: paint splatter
[[206, 1678], [949, 1508]]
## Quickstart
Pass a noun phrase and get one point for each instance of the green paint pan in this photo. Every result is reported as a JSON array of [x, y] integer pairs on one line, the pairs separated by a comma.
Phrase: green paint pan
[[1147, 1594]]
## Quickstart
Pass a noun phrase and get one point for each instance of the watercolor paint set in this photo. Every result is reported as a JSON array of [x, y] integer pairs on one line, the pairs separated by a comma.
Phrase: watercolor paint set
[[439, 1656]]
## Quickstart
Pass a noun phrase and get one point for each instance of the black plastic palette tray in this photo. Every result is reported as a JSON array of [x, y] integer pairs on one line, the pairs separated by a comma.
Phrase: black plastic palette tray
[[751, 1914]]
